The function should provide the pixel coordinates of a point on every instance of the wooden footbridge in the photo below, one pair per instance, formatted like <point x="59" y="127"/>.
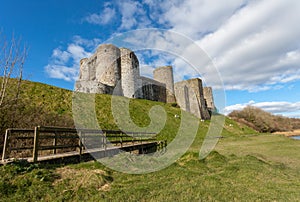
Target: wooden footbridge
<point x="53" y="144"/>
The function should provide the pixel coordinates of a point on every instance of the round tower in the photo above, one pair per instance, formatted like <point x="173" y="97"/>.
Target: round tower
<point x="107" y="63"/>
<point x="129" y="73"/>
<point x="165" y="75"/>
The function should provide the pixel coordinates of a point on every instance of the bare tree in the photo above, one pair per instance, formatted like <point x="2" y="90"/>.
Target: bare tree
<point x="12" y="57"/>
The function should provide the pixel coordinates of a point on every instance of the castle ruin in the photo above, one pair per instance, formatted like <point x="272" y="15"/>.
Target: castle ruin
<point x="113" y="70"/>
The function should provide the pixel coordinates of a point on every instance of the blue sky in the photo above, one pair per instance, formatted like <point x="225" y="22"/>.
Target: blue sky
<point x="254" y="44"/>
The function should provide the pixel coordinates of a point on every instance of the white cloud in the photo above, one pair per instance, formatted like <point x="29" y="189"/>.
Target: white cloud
<point x="64" y="64"/>
<point x="195" y="17"/>
<point x="88" y="43"/>
<point x="77" y="52"/>
<point x="254" y="44"/>
<point x="258" y="46"/>
<point x="291" y="109"/>
<point x="133" y="15"/>
<point x="61" y="72"/>
<point x="103" y="18"/>
<point x="61" y="57"/>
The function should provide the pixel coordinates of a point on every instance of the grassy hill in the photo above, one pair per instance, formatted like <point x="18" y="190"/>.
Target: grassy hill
<point x="42" y="104"/>
<point x="245" y="165"/>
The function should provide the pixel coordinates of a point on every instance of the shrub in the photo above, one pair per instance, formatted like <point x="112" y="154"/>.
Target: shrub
<point x="263" y="121"/>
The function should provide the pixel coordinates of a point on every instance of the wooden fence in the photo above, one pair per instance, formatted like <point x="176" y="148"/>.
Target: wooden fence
<point x="58" y="140"/>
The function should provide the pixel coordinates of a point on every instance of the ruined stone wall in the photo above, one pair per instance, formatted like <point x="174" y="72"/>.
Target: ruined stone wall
<point x="152" y="90"/>
<point x="101" y="72"/>
<point x="129" y="73"/>
<point x="209" y="98"/>
<point x="111" y="68"/>
<point x="84" y="73"/>
<point x="87" y="77"/>
<point x="189" y="96"/>
<point x="93" y="87"/>
<point x="182" y="95"/>
<point x="165" y="75"/>
<point x="196" y="87"/>
<point x="88" y="68"/>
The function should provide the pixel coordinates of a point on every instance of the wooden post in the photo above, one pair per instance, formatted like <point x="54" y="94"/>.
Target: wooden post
<point x="141" y="143"/>
<point x="36" y="144"/>
<point x="55" y="142"/>
<point x="80" y="145"/>
<point x="6" y="138"/>
<point x="103" y="140"/>
<point x="132" y="139"/>
<point x="105" y="144"/>
<point x="83" y="139"/>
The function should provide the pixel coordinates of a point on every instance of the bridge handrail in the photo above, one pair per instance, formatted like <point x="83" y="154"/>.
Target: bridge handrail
<point x="120" y="138"/>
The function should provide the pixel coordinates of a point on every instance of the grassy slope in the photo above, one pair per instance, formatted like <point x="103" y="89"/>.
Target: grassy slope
<point x="246" y="166"/>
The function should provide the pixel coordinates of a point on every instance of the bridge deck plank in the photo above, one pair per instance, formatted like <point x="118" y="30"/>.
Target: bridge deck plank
<point x="110" y="149"/>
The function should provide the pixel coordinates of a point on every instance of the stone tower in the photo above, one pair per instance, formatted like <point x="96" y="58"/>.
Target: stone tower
<point x="129" y="73"/>
<point x="165" y="75"/>
<point x="108" y="66"/>
<point x="115" y="71"/>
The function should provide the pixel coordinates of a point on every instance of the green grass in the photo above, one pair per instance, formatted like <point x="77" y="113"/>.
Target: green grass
<point x="217" y="178"/>
<point x="268" y="147"/>
<point x="245" y="165"/>
<point x="243" y="168"/>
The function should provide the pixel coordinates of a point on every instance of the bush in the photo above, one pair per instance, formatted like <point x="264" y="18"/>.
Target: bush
<point x="263" y="121"/>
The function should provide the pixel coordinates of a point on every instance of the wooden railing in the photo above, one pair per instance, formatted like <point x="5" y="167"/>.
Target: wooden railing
<point x="56" y="139"/>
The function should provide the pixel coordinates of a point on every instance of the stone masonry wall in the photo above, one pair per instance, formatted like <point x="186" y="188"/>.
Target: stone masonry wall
<point x="165" y="75"/>
<point x="196" y="87"/>
<point x="93" y="87"/>
<point x="182" y="95"/>
<point x="111" y="68"/>
<point x="208" y="96"/>
<point x="107" y="65"/>
<point x="129" y="73"/>
<point x="189" y="96"/>
<point x="152" y="90"/>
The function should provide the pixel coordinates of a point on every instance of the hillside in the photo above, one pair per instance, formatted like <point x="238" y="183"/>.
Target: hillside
<point x="245" y="165"/>
<point x="42" y="104"/>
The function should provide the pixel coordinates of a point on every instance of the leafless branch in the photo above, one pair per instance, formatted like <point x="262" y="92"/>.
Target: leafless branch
<point x="12" y="58"/>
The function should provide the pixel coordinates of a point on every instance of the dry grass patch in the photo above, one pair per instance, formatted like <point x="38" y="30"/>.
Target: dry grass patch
<point x="75" y="179"/>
